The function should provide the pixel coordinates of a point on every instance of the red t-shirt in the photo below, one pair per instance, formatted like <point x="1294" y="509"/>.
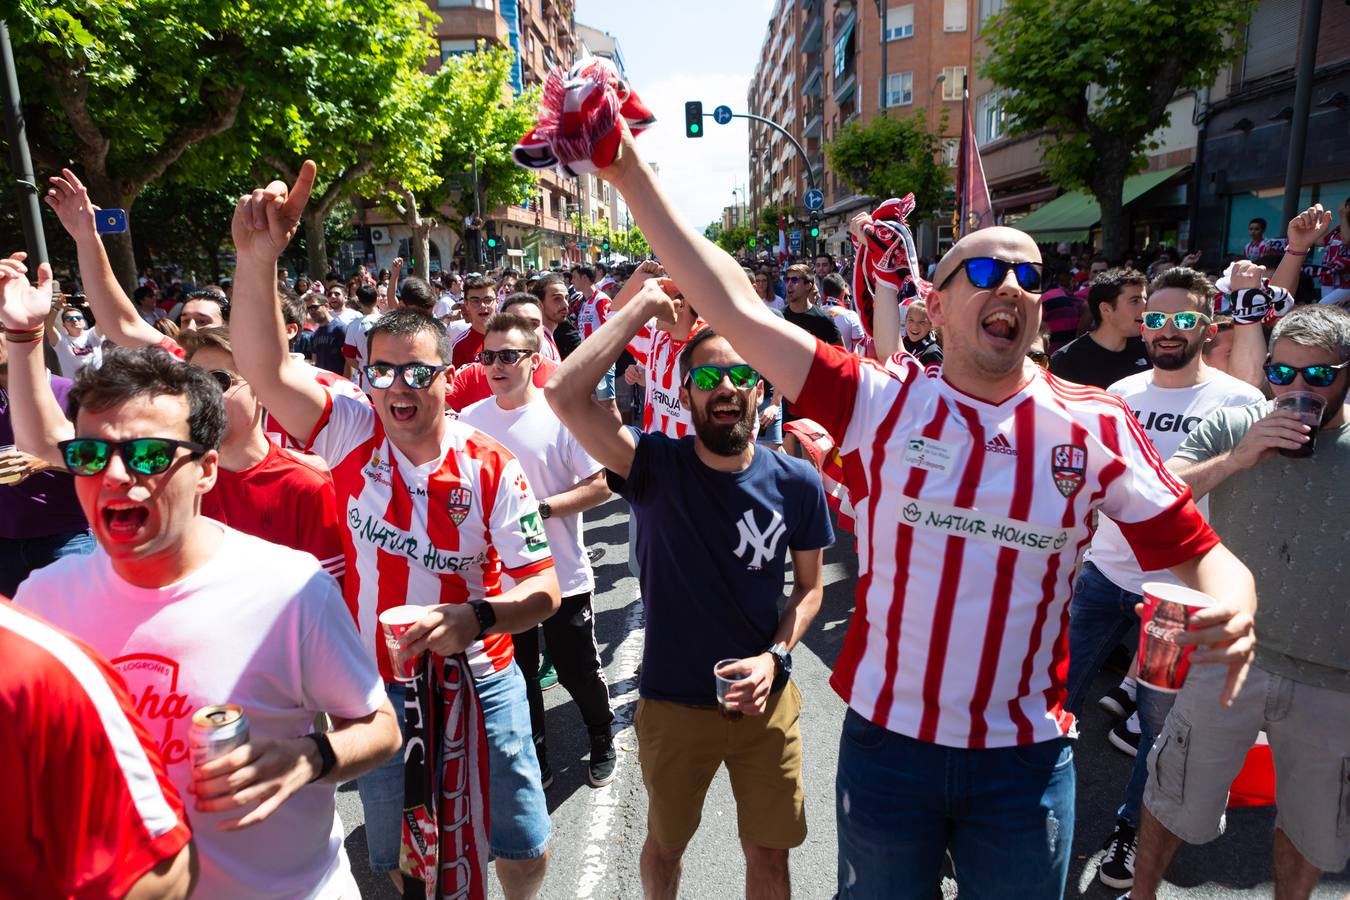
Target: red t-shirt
<point x="88" y="809"/>
<point x="285" y="500"/>
<point x="465" y="349"/>
<point x="471" y="383"/>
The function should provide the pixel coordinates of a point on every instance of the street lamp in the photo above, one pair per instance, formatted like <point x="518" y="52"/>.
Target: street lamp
<point x="932" y="95"/>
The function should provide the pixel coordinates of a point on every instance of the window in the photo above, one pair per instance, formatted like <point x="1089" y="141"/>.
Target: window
<point x="951" y="148"/>
<point x="989" y="9"/>
<point x="451" y="48"/>
<point x="901" y="91"/>
<point x="954" y="15"/>
<point x="1272" y="38"/>
<point x="479" y="4"/>
<point x="900" y="22"/>
<point x="953" y="83"/>
<point x="990" y="122"/>
<point x="843" y="51"/>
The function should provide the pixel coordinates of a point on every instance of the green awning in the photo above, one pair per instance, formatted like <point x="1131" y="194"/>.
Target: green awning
<point x="1070" y="216"/>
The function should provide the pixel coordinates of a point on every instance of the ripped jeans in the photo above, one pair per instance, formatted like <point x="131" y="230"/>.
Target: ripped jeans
<point x="1005" y="814"/>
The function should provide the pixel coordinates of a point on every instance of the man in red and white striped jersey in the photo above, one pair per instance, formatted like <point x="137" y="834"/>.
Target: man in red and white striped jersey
<point x="657" y="347"/>
<point x="595" y="311"/>
<point x="89" y="810"/>
<point x="438" y="514"/>
<point x="954" y="664"/>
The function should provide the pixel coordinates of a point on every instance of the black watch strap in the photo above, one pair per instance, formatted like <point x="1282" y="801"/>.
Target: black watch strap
<point x="325" y="753"/>
<point x="487" y="616"/>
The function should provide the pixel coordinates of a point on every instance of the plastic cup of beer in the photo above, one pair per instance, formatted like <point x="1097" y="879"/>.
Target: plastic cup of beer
<point x="7" y="477"/>
<point x="393" y="623"/>
<point x="726" y="679"/>
<point x="1309" y="407"/>
<point x="1168" y="609"/>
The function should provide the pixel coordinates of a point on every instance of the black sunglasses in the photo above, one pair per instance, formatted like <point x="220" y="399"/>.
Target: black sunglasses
<point x="1315" y="376"/>
<point x="985" y="272"/>
<point x="417" y="376"/>
<point x="509" y="356"/>
<point x="226" y="380"/>
<point x="144" y="456"/>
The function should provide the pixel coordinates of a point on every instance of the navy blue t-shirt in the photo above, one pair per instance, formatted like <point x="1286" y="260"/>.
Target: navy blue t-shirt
<point x="713" y="549"/>
<point x="326" y="344"/>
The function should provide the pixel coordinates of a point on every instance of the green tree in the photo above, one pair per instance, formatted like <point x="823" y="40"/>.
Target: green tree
<point x="736" y="240"/>
<point x="1096" y="77"/>
<point x="188" y="225"/>
<point x="123" y="89"/>
<point x="768" y="216"/>
<point x="889" y="157"/>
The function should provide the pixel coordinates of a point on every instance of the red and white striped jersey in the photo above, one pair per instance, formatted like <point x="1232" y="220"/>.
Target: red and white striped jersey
<point x="332" y="383"/>
<point x="445" y="532"/>
<point x="659" y="354"/>
<point x="970" y="516"/>
<point x="594" y="313"/>
<point x="464" y="348"/>
<point x="89" y="809"/>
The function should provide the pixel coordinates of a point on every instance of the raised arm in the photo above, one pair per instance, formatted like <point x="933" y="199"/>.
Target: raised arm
<point x="118" y="319"/>
<point x="38" y="420"/>
<point x="264" y="223"/>
<point x="1249" y="339"/>
<point x="1303" y="233"/>
<point x="778" y="349"/>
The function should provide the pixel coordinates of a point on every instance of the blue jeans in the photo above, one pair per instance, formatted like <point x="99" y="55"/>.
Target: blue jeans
<point x="519" y="825"/>
<point x="21" y="558"/>
<point x="1101" y="614"/>
<point x="1005" y="814"/>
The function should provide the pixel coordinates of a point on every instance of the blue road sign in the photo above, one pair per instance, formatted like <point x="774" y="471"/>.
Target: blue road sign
<point x="722" y="115"/>
<point x="814" y="199"/>
<point x="795" y="240"/>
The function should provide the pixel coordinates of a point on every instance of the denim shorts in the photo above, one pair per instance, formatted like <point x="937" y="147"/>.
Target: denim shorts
<point x="520" y="825"/>
<point x="605" y="389"/>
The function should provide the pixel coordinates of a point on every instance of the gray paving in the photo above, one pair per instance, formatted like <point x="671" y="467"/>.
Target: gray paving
<point x="599" y="833"/>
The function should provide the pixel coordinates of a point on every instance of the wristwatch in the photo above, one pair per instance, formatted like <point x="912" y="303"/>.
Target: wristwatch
<point x="545" y="511"/>
<point x="487" y="616"/>
<point x="781" y="657"/>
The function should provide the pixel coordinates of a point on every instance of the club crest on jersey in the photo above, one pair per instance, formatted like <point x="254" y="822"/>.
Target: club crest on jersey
<point x="1068" y="462"/>
<point x="457" y="503"/>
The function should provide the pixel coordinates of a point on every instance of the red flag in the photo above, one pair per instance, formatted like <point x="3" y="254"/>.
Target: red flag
<point x="973" y="207"/>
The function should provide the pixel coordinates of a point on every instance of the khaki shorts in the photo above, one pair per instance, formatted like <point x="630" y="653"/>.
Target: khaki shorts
<point x="680" y="748"/>
<point x="1203" y="745"/>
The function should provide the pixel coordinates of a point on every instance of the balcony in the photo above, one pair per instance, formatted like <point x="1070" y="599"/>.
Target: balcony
<point x="467" y="22"/>
<point x="814" y="76"/>
<point x="813" y="118"/>
<point x="844" y="85"/>
<point x="814" y="27"/>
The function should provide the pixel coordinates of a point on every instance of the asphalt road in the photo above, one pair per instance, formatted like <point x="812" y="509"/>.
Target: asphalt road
<point x="598" y="834"/>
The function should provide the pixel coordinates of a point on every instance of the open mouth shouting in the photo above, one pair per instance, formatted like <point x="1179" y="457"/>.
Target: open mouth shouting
<point x="402" y="411"/>
<point x="1001" y="327"/>
<point x="123" y="519"/>
<point x="726" y="412"/>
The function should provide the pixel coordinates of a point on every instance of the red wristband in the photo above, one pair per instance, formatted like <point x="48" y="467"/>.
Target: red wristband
<point x="23" y="331"/>
<point x="1293" y="252"/>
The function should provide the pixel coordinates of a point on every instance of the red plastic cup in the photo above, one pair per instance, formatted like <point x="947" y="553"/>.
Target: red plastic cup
<point x="1168" y="609"/>
<point x="393" y="623"/>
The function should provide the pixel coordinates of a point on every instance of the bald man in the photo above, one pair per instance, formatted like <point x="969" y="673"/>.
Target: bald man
<point x="980" y="484"/>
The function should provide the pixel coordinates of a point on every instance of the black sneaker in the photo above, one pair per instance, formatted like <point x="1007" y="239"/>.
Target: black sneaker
<point x="1125" y="736"/>
<point x="1117" y="703"/>
<point x="1117" y="869"/>
<point x="603" y="760"/>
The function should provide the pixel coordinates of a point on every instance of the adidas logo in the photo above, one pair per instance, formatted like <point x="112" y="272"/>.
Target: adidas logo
<point x="1000" y="444"/>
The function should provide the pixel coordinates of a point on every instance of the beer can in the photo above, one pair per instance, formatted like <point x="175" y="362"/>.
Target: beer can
<point x="215" y="731"/>
<point x="1163" y="663"/>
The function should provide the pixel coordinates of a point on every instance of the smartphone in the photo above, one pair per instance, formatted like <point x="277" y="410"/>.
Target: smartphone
<point x="111" y="221"/>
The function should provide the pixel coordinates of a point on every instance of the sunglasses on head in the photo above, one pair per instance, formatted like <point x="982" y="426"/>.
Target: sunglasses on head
<point x="417" y="376"/>
<point x="985" y="272"/>
<point x="707" y="378"/>
<point x="509" y="356"/>
<point x="1184" y="321"/>
<point x="144" y="456"/>
<point x="1315" y="376"/>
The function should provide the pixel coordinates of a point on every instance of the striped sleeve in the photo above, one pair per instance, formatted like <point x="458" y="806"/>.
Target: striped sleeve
<point x="84" y="776"/>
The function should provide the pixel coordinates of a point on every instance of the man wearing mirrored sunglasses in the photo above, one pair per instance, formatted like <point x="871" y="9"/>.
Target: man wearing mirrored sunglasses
<point x="1169" y="401"/>
<point x="978" y="482"/>
<point x="1283" y="515"/>
<point x="77" y="345"/>
<point x="739" y="511"/>
<point x="437" y="512"/>
<point x="193" y="613"/>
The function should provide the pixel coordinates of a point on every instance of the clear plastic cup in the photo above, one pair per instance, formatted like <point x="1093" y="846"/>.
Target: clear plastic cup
<point x="1309" y="407"/>
<point x="724" y="683"/>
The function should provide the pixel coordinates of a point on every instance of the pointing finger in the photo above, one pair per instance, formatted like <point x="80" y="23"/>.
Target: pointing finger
<point x="300" y="191"/>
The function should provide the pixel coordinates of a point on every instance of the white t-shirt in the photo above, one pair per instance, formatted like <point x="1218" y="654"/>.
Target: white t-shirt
<point x="1167" y="415"/>
<point x="445" y="305"/>
<point x="348" y="315"/>
<point x="77" y="352"/>
<point x="356" y="345"/>
<point x="849" y="324"/>
<point x="553" y="461"/>
<point x="259" y="625"/>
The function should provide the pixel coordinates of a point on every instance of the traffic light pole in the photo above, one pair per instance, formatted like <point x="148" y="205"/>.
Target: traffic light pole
<point x="801" y="151"/>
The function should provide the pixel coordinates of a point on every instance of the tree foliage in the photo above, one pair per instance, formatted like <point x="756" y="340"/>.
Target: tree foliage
<point x="890" y="157"/>
<point x="1096" y="76"/>
<point x="736" y="240"/>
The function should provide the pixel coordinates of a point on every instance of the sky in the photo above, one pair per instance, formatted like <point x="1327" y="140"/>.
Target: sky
<point x="689" y="50"/>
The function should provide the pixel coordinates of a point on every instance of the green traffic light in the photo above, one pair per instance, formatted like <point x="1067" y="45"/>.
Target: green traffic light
<point x="694" y="127"/>
<point x="815" y="232"/>
<point x="752" y="242"/>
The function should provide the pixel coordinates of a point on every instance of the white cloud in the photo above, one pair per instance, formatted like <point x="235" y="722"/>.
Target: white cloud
<point x="698" y="173"/>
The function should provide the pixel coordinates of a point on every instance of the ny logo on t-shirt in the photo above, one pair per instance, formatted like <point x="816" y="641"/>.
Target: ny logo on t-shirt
<point x="761" y="544"/>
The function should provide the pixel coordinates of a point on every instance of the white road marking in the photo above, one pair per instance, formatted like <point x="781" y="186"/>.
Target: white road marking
<point x="605" y="801"/>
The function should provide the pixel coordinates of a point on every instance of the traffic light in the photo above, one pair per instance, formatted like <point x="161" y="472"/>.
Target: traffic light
<point x="693" y="119"/>
<point x="815" y="226"/>
<point x="752" y="242"/>
<point x="604" y="245"/>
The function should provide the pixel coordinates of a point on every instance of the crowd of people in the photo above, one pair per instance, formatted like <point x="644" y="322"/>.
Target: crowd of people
<point x="212" y="495"/>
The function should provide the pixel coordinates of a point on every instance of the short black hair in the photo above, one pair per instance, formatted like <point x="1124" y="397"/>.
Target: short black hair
<point x="833" y="285"/>
<point x="516" y="299"/>
<point x="217" y="297"/>
<point x="502" y="322"/>
<point x="478" y="282"/>
<point x="1193" y="282"/>
<point x="601" y="267"/>
<point x="128" y="373"/>
<point x="366" y="295"/>
<point x="1257" y="220"/>
<point x="825" y="256"/>
<point x="416" y="293"/>
<point x="408" y="323"/>
<point x="540" y="286"/>
<point x="142" y="292"/>
<point x="292" y="307"/>
<point x="1106" y="287"/>
<point x="588" y="271"/>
